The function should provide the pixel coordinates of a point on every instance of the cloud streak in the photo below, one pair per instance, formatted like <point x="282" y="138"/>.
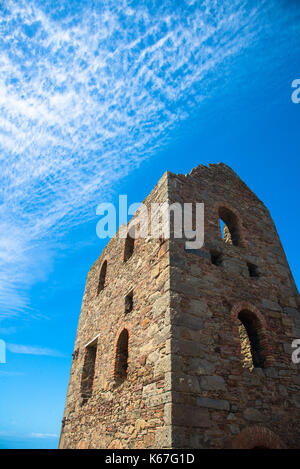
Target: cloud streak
<point x="27" y="435"/>
<point x="10" y="373"/>
<point x="43" y="435"/>
<point x="85" y="97"/>
<point x="30" y="350"/>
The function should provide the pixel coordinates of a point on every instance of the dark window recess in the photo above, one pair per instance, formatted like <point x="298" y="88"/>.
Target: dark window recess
<point x="121" y="362"/>
<point x="129" y="302"/>
<point x="216" y="258"/>
<point x="88" y="372"/>
<point x="253" y="270"/>
<point x="251" y="340"/>
<point x="129" y="247"/>
<point x="102" y="277"/>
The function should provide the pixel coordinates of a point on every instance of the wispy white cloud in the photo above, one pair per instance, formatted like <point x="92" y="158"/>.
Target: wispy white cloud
<point x="11" y="373"/>
<point x="27" y="435"/>
<point x="84" y="98"/>
<point x="7" y="330"/>
<point x="30" y="350"/>
<point x="43" y="435"/>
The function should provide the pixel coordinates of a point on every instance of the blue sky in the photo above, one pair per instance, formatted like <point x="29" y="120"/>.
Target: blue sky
<point x="98" y="101"/>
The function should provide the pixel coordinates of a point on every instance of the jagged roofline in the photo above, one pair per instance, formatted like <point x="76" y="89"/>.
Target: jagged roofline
<point x="212" y="169"/>
<point x="217" y="168"/>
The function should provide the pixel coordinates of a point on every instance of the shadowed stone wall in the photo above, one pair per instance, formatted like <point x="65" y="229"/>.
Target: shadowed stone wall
<point x="214" y="396"/>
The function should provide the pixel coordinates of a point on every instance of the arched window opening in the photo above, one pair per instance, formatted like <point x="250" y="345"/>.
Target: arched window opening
<point x="250" y="337"/>
<point x="102" y="277"/>
<point x="257" y="437"/>
<point x="229" y="226"/>
<point x="121" y="362"/>
<point x="88" y="372"/>
<point x="129" y="247"/>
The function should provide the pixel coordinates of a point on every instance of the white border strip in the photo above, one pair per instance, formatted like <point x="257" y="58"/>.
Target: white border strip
<point x="128" y="291"/>
<point x="91" y="341"/>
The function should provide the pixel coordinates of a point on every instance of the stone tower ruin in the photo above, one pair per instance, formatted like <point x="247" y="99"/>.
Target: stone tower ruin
<point x="181" y="348"/>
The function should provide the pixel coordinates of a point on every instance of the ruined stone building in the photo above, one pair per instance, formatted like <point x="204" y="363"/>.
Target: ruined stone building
<point x="180" y="348"/>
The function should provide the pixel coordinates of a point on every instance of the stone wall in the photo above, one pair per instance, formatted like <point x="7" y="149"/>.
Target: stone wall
<point x="209" y="332"/>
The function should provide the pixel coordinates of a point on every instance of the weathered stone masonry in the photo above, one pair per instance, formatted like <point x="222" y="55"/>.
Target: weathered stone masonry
<point x="181" y="348"/>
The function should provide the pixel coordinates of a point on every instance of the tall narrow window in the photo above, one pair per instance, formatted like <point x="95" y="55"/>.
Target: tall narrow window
<point x="129" y="247"/>
<point x="251" y="340"/>
<point x="129" y="302"/>
<point x="229" y="226"/>
<point x="121" y="361"/>
<point x="102" y="277"/>
<point x="88" y="372"/>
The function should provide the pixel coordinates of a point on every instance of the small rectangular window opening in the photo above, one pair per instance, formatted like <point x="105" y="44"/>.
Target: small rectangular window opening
<point x="253" y="270"/>
<point x="216" y="258"/>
